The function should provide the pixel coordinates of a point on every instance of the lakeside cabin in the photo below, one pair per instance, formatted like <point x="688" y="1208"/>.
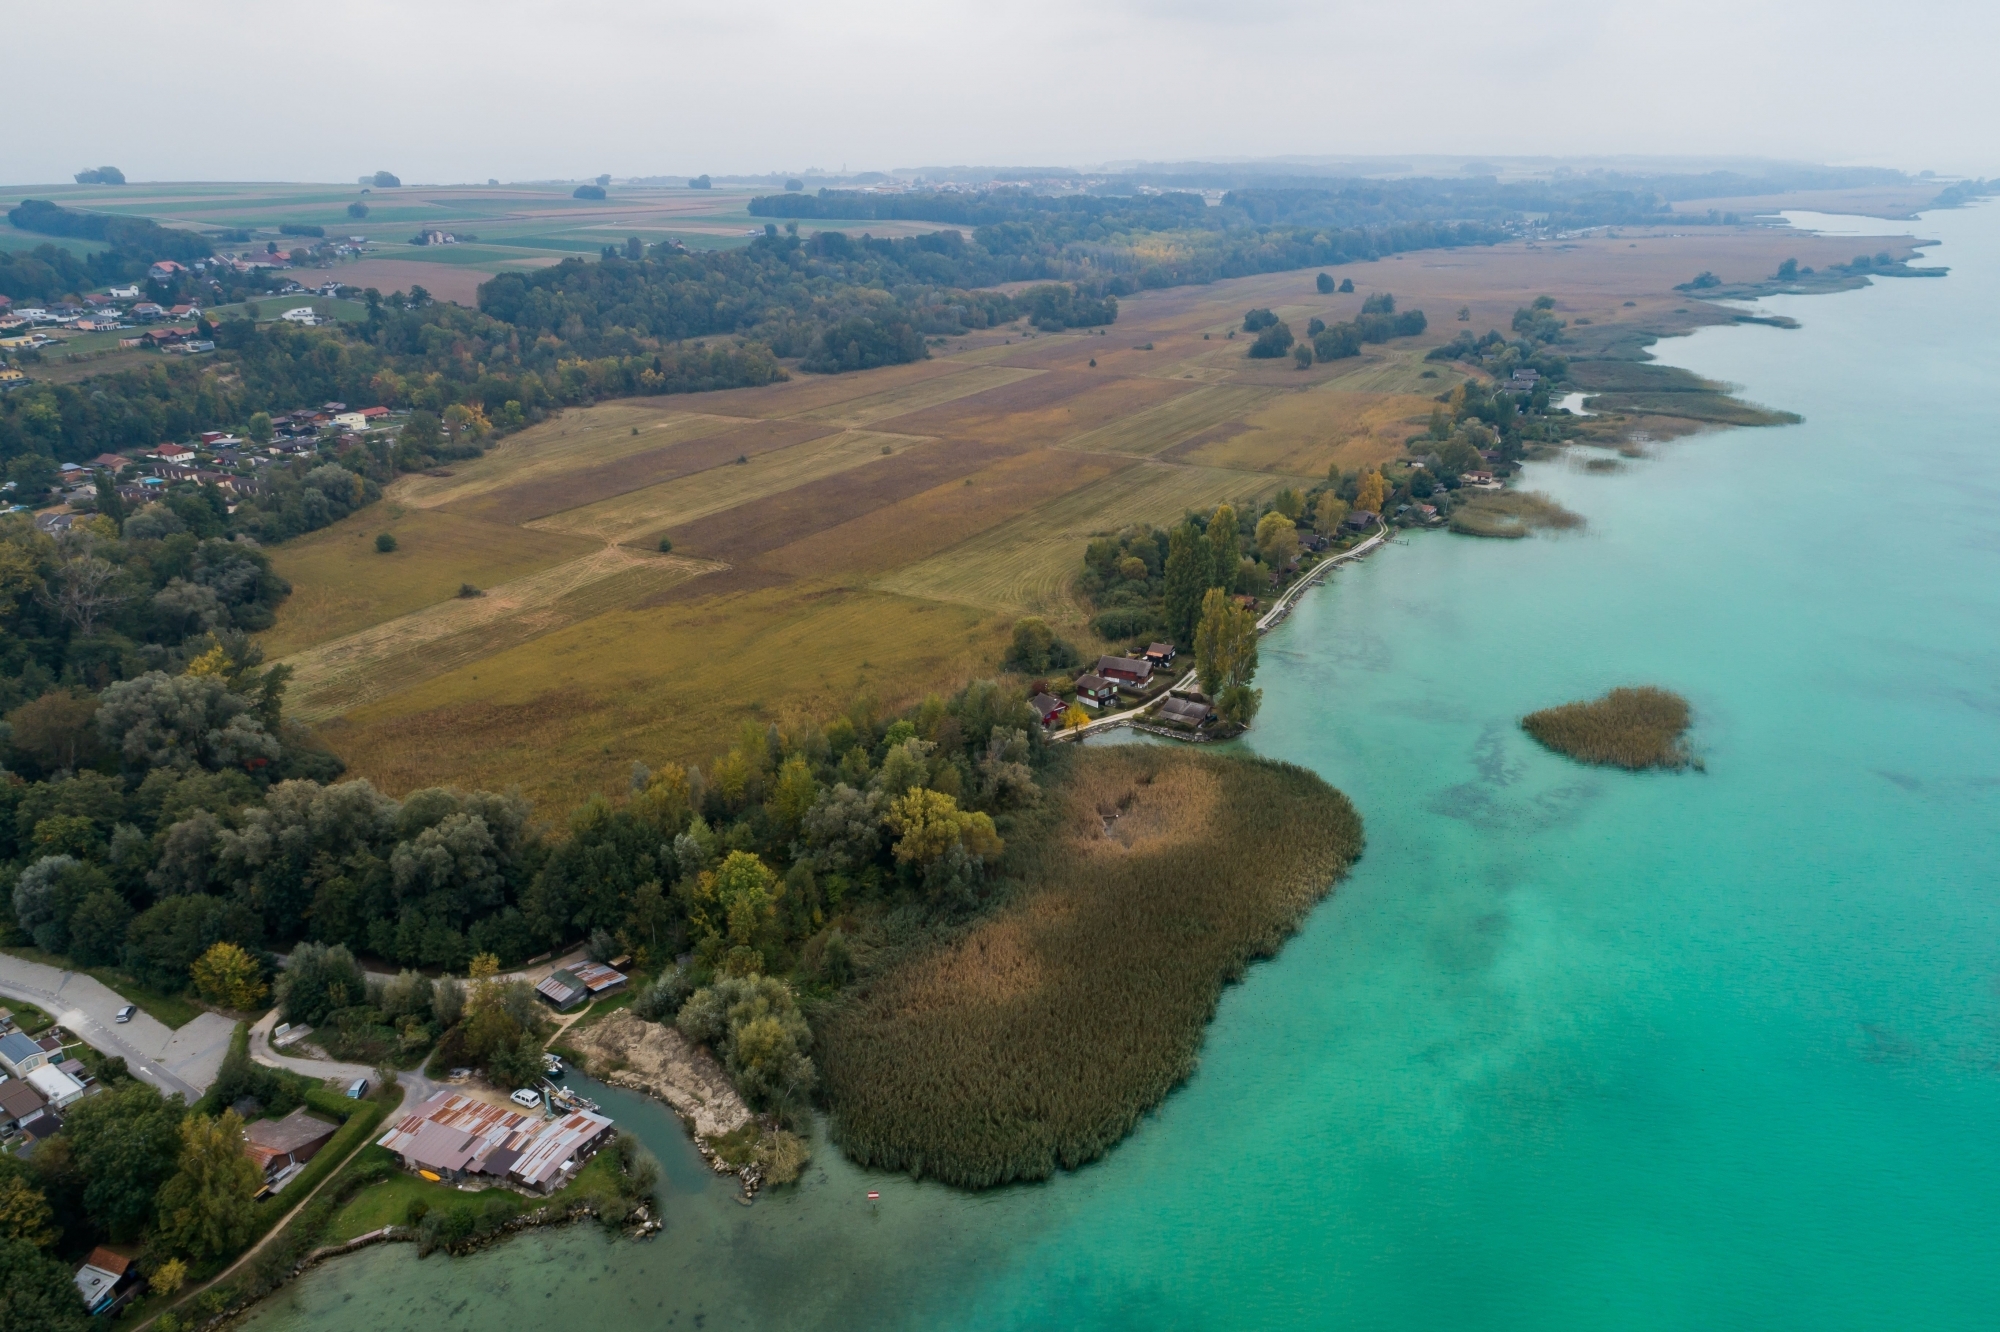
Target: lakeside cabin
<point x="1160" y="655"/>
<point x="98" y="1280"/>
<point x="1186" y="712"/>
<point x="1096" y="689"/>
<point x="1049" y="708"/>
<point x="1125" y="670"/>
<point x="454" y="1136"/>
<point x="280" y="1148"/>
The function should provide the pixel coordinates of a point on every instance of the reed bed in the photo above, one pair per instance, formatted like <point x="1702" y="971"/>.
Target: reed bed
<point x="1037" y="1037"/>
<point x="1511" y="514"/>
<point x="1636" y="727"/>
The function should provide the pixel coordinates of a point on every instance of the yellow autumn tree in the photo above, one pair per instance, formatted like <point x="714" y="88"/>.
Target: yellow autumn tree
<point x="227" y="975"/>
<point x="1373" y="490"/>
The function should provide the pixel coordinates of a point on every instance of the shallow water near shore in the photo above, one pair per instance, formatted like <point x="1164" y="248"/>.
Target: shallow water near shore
<point x="1571" y="1048"/>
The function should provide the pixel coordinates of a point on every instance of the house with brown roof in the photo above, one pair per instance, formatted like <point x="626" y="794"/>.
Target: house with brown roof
<point x="1125" y="670"/>
<point x="1159" y="655"/>
<point x="1186" y="712"/>
<point x="1096" y="689"/>
<point x="1049" y="708"/>
<point x="19" y="1102"/>
<point x="279" y="1144"/>
<point x="100" y="1277"/>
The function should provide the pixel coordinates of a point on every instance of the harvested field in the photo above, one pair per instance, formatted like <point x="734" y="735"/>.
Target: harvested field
<point x="566" y="714"/>
<point x="1173" y="421"/>
<point x="584" y="438"/>
<point x="779" y="519"/>
<point x="843" y="555"/>
<point x="643" y="515"/>
<point x="1048" y="409"/>
<point x="341" y="583"/>
<point x="920" y="526"/>
<point x="803" y="393"/>
<point x="1038" y="1038"/>
<point x="528" y="500"/>
<point x="1303" y="434"/>
<point x="333" y="677"/>
<point x="1635" y="727"/>
<point x="932" y="392"/>
<point x="1025" y="564"/>
<point x="1511" y="514"/>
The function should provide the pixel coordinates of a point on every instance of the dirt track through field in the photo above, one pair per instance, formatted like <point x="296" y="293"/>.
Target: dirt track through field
<point x="334" y="677"/>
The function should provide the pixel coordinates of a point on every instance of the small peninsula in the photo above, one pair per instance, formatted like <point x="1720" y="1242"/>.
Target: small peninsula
<point x="1035" y="1038"/>
<point x="1636" y="727"/>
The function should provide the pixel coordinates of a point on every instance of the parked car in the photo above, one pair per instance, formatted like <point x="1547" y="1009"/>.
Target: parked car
<point x="526" y="1097"/>
<point x="125" y="1013"/>
<point x="357" y="1089"/>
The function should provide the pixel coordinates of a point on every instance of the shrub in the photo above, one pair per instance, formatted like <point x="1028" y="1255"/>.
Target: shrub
<point x="385" y="542"/>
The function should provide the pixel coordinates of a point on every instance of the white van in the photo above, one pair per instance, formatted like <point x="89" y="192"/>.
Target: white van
<point x="526" y="1097"/>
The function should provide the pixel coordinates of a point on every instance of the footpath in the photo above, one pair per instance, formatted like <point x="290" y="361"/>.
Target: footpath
<point x="1270" y="620"/>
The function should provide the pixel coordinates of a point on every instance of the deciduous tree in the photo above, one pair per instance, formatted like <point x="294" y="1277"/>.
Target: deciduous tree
<point x="227" y="975"/>
<point x="1225" y="644"/>
<point x="208" y="1208"/>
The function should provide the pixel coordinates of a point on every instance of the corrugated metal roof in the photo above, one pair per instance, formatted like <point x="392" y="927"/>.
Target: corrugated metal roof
<point x="558" y="1142"/>
<point x="453" y="1131"/>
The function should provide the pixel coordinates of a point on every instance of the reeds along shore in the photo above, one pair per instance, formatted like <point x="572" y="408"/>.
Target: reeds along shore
<point x="1037" y="1038"/>
<point x="1635" y="727"/>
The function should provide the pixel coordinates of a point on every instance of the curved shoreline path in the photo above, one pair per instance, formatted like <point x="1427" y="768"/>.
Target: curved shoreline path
<point x="183" y="1061"/>
<point x="1270" y="620"/>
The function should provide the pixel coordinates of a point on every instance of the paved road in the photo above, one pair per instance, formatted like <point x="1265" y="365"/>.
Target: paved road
<point x="183" y="1061"/>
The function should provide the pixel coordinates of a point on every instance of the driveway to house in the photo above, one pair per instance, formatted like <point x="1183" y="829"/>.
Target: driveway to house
<point x="183" y="1061"/>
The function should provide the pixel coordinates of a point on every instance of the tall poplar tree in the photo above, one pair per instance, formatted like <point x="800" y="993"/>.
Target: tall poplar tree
<point x="1222" y="547"/>
<point x="1188" y="568"/>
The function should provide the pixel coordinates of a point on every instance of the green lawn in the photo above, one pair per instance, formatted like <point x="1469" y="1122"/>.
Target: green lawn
<point x="26" y="1016"/>
<point x="388" y="1203"/>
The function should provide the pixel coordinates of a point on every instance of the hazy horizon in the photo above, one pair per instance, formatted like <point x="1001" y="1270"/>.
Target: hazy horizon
<point x="515" y="91"/>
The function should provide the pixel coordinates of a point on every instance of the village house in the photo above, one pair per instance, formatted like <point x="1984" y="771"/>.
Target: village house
<point x="1186" y="711"/>
<point x="280" y="1148"/>
<point x="1125" y="670"/>
<point x="1359" y="521"/>
<point x="1049" y="708"/>
<point x="57" y="1087"/>
<point x="100" y="1277"/>
<point x="303" y="314"/>
<point x="166" y="270"/>
<point x="21" y="1054"/>
<point x="173" y="453"/>
<point x="1096" y="689"/>
<point x="453" y="1136"/>
<point x="20" y="1104"/>
<point x="1481" y="479"/>
<point x="1160" y="655"/>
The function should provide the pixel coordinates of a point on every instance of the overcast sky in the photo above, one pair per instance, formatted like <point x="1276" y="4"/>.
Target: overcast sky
<point x="455" y="90"/>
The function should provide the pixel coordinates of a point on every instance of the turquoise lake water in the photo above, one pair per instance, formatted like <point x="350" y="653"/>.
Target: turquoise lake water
<point x="1571" y="1048"/>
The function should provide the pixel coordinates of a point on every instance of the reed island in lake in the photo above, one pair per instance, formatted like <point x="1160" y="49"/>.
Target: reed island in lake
<point x="1635" y="727"/>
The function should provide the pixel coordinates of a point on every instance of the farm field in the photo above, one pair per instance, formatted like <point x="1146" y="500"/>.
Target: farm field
<point x="516" y="226"/>
<point x="875" y="532"/>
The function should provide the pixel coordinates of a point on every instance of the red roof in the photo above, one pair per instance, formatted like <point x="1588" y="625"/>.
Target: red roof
<point x="103" y="1258"/>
